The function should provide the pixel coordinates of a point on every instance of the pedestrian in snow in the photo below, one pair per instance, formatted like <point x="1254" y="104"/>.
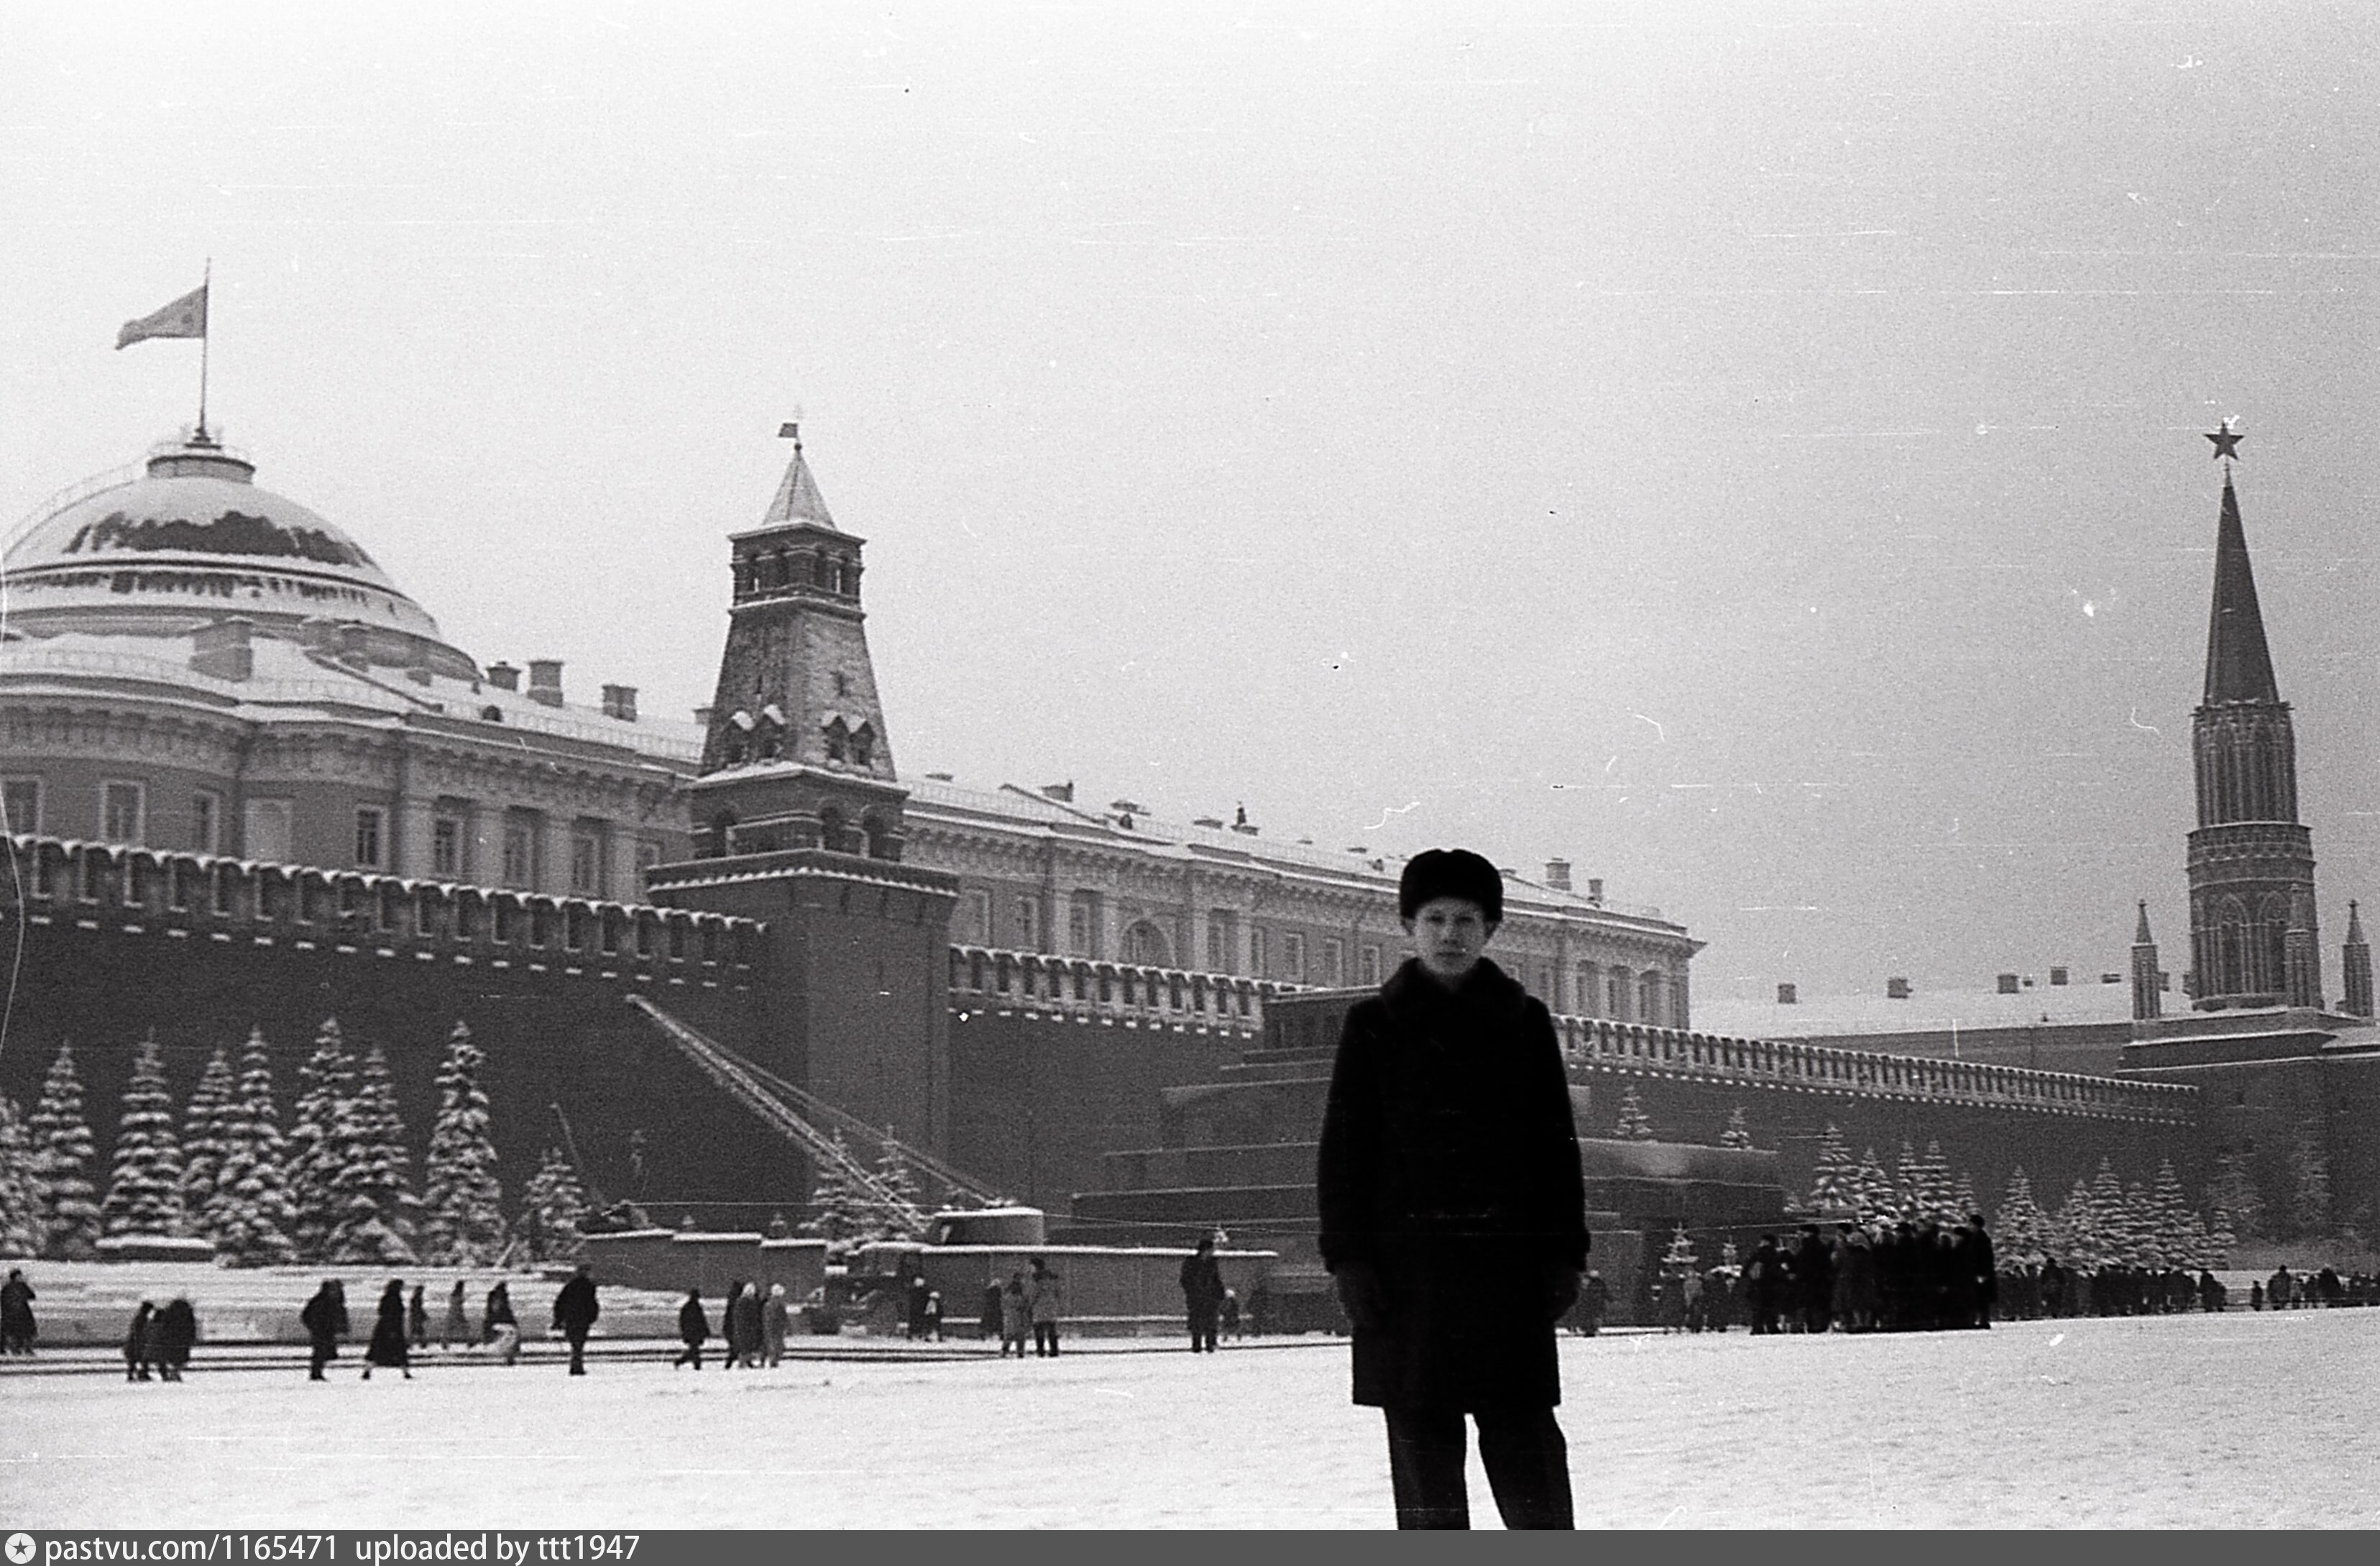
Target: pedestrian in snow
<point x="1015" y="1315"/>
<point x="388" y="1340"/>
<point x="1231" y="1313"/>
<point x="173" y="1331"/>
<point x="417" y="1318"/>
<point x="933" y="1315"/>
<point x="1202" y="1293"/>
<point x="575" y="1310"/>
<point x="1047" y="1293"/>
<point x="693" y="1330"/>
<point x="1452" y="1211"/>
<point x="744" y="1327"/>
<point x="498" y="1312"/>
<point x="325" y="1321"/>
<point x="16" y="1328"/>
<point x="457" y="1329"/>
<point x="776" y="1318"/>
<point x="1598" y="1296"/>
<point x="138" y="1342"/>
<point x="990" y="1325"/>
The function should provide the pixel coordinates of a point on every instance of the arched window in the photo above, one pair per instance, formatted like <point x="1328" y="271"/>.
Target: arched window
<point x="863" y="745"/>
<point x="1145" y="943"/>
<point x="838" y="740"/>
<point x="879" y="846"/>
<point x="2231" y="948"/>
<point x="722" y="835"/>
<point x="832" y="830"/>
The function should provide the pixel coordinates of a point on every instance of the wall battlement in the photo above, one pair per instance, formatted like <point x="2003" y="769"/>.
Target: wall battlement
<point x="1098" y="989"/>
<point x="199" y="896"/>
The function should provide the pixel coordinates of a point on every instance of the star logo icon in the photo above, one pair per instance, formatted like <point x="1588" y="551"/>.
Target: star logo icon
<point x="2227" y="443"/>
<point x="20" y="1548"/>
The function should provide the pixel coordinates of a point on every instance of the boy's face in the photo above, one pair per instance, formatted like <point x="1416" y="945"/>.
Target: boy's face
<point x="1448" y="934"/>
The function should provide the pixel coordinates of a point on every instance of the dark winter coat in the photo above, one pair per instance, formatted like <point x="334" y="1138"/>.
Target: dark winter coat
<point x="325" y="1318"/>
<point x="172" y="1332"/>
<point x="1449" y="1165"/>
<point x="498" y="1314"/>
<point x="16" y="1310"/>
<point x="574" y="1307"/>
<point x="140" y="1338"/>
<point x="693" y="1326"/>
<point x="388" y="1344"/>
<point x="743" y="1323"/>
<point x="1202" y="1283"/>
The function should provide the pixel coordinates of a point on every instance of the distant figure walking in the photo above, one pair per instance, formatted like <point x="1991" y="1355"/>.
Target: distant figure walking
<point x="498" y="1312"/>
<point x="456" y="1328"/>
<point x="417" y="1318"/>
<point x="744" y="1328"/>
<point x="990" y="1325"/>
<point x="775" y="1320"/>
<point x="934" y="1314"/>
<point x="575" y="1310"/>
<point x="1047" y="1292"/>
<point x="1202" y="1293"/>
<point x="388" y="1343"/>
<point x="173" y="1331"/>
<point x="325" y="1321"/>
<point x="137" y="1343"/>
<point x="1231" y="1313"/>
<point x="1015" y="1315"/>
<point x="693" y="1330"/>
<point x="17" y="1329"/>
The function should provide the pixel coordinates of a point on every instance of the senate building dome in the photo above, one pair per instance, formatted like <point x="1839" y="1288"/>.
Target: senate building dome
<point x="192" y="539"/>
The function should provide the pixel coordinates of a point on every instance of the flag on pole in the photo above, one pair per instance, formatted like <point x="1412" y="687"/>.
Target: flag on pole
<point x="186" y="317"/>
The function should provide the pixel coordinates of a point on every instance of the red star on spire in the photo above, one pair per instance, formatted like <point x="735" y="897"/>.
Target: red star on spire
<point x="2226" y="442"/>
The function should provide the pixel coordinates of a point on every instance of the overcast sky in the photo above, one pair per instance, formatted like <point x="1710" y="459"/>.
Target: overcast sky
<point x="1755" y="455"/>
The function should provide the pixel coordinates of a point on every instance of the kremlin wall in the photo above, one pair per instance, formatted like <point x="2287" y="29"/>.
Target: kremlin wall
<point x="250" y="785"/>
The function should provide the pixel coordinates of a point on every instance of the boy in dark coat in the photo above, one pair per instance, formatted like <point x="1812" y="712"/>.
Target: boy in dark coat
<point x="139" y="1342"/>
<point x="173" y="1331"/>
<point x="693" y="1330"/>
<point x="17" y="1329"/>
<point x="1202" y="1293"/>
<point x="388" y="1340"/>
<point x="575" y="1310"/>
<point x="1454" y="1217"/>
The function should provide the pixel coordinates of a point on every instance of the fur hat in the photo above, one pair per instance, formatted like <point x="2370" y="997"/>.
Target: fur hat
<point x="1450" y="872"/>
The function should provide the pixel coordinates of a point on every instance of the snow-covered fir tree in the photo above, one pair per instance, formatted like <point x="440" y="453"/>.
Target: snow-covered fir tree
<point x="2020" y="1230"/>
<point x="554" y="1211"/>
<point x="2118" y="1243"/>
<point x="1739" y="1130"/>
<point x="2220" y="1236"/>
<point x="2231" y="1192"/>
<point x="2309" y="1180"/>
<point x="1963" y="1204"/>
<point x="203" y="1118"/>
<point x="62" y="1157"/>
<point x="2150" y="1245"/>
<point x="2170" y="1217"/>
<point x="2077" y="1229"/>
<point x="841" y="1211"/>
<point x="372" y="1191"/>
<point x="1633" y="1121"/>
<point x="252" y="1216"/>
<point x="1909" y="1184"/>
<point x="1680" y="1257"/>
<point x="24" y="1217"/>
<point x="463" y="1216"/>
<point x="317" y="1147"/>
<point x="1835" y="1179"/>
<point x="893" y="1177"/>
<point x="1934" y="1180"/>
<point x="144" y="1188"/>
<point x="1873" y="1188"/>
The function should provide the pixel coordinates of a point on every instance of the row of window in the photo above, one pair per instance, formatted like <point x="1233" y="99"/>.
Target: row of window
<point x="124" y="817"/>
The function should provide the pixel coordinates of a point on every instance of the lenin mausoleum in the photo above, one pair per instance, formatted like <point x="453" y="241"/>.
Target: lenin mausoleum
<point x="251" y="785"/>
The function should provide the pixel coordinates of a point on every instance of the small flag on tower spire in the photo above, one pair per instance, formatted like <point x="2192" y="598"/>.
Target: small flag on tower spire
<point x="186" y="317"/>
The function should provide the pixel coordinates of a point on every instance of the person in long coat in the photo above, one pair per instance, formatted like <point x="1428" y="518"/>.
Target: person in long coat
<point x="388" y="1339"/>
<point x="744" y="1327"/>
<point x="1046" y="1293"/>
<point x="417" y="1317"/>
<point x="173" y="1332"/>
<point x="16" y="1328"/>
<point x="776" y="1318"/>
<point x="1016" y="1316"/>
<point x="498" y="1312"/>
<point x="139" y="1346"/>
<point x="575" y="1312"/>
<point x="1452" y="1211"/>
<point x="693" y="1330"/>
<point x="1202" y="1293"/>
<point x="456" y="1328"/>
<point x="325" y="1321"/>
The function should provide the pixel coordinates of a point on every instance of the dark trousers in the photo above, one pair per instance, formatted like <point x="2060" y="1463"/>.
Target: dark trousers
<point x="692" y="1356"/>
<point x="1522" y="1449"/>
<point x="325" y="1352"/>
<point x="1045" y="1340"/>
<point x="1202" y="1331"/>
<point x="578" y="1350"/>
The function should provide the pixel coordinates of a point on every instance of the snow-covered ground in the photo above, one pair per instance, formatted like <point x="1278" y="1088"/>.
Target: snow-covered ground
<point x="2238" y="1420"/>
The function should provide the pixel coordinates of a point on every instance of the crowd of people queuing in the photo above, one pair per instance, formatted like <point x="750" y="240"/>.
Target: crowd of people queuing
<point x="1927" y="1275"/>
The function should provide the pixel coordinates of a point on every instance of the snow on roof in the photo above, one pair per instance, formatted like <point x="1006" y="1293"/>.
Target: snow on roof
<point x="2086" y="1001"/>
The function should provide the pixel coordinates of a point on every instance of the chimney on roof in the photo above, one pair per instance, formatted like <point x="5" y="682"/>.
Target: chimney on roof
<point x="545" y="681"/>
<point x="1063" y="792"/>
<point x="702" y="716"/>
<point x="221" y="649"/>
<point x="1896" y="989"/>
<point x="620" y="701"/>
<point x="1558" y="874"/>
<point x="1595" y="890"/>
<point x="2057" y="975"/>
<point x="2007" y="984"/>
<point x="1787" y="996"/>
<point x="504" y="676"/>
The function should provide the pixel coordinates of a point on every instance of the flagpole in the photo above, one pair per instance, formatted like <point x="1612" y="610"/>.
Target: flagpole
<point x="206" y="305"/>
